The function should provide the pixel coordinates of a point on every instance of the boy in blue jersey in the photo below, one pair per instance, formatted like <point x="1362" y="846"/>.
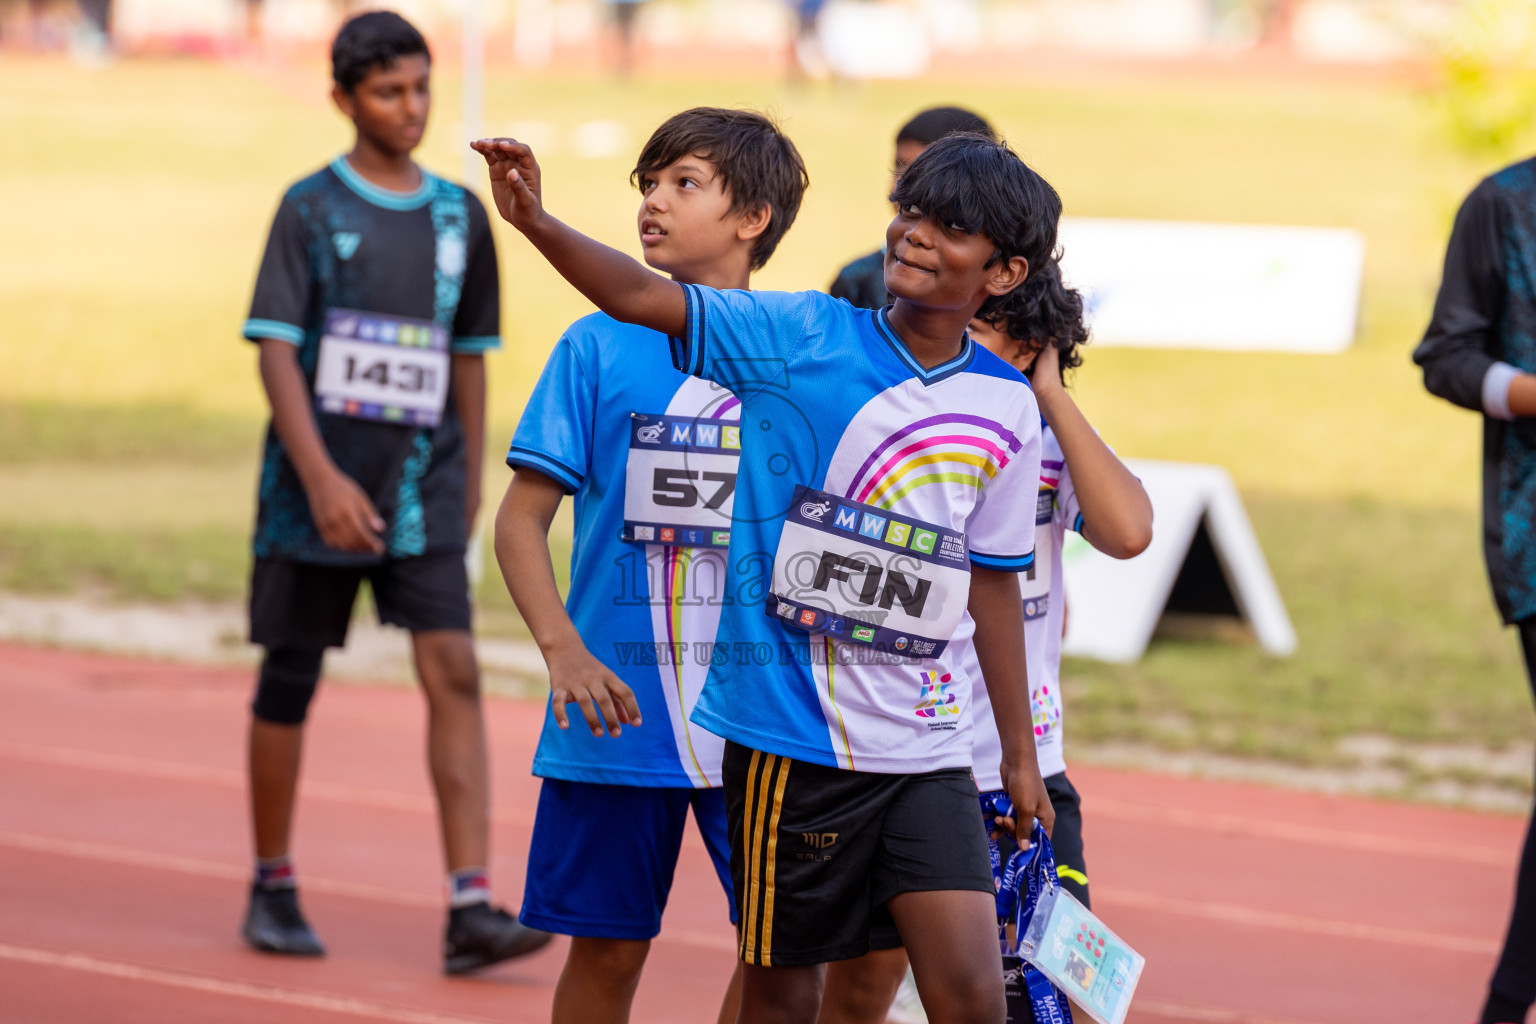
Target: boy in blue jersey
<point x="885" y="463"/>
<point x="376" y="298"/>
<point x="650" y="455"/>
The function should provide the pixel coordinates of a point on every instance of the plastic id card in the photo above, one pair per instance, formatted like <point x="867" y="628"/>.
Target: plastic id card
<point x="1084" y="959"/>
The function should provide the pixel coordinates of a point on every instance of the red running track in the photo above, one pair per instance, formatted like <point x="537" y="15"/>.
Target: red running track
<point x="124" y="860"/>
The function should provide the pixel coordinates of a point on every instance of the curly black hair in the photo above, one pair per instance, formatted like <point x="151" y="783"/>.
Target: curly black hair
<point x="980" y="184"/>
<point x="1044" y="311"/>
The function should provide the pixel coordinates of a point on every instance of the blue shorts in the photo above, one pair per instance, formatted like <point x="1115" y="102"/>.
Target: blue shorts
<point x="602" y="857"/>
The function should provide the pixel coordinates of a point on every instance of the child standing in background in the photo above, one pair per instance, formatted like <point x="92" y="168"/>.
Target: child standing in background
<point x="376" y="301"/>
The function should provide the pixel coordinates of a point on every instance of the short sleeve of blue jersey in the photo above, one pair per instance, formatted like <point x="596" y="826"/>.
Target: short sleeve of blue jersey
<point x="554" y="435"/>
<point x="739" y="338"/>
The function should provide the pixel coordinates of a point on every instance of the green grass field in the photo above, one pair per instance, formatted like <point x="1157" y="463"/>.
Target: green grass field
<point x="136" y="200"/>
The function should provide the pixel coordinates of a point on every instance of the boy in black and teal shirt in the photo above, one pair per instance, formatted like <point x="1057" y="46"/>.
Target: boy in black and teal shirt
<point x="376" y="299"/>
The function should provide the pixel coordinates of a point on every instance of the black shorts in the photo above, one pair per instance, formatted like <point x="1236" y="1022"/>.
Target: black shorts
<point x="1067" y="836"/>
<point x="305" y="606"/>
<point x="817" y="851"/>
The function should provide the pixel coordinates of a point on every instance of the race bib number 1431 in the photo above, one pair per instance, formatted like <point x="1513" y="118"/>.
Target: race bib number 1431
<point x="388" y="368"/>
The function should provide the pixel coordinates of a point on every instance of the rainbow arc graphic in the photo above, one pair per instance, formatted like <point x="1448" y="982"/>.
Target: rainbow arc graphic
<point x="952" y="448"/>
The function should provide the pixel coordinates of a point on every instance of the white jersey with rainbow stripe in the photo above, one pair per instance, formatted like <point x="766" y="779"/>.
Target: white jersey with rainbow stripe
<point x="925" y="471"/>
<point x="1044" y="619"/>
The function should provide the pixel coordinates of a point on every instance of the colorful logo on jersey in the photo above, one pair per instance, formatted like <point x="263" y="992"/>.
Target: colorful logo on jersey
<point x="934" y="699"/>
<point x="720" y="537"/>
<point x="807" y="617"/>
<point x="668" y="534"/>
<point x="346" y="243"/>
<point x="950" y="448"/>
<point x="1047" y="712"/>
<point x="864" y="633"/>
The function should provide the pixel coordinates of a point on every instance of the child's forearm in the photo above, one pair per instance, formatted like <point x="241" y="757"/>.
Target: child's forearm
<point x="1117" y="514"/>
<point x="998" y="611"/>
<point x="522" y="551"/>
<point x="615" y="283"/>
<point x="293" y="415"/>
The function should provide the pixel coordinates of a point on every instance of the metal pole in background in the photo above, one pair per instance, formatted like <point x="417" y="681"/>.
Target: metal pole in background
<point x="473" y="117"/>
<point x="473" y="120"/>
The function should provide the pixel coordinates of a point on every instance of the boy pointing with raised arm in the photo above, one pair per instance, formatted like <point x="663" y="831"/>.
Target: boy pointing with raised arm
<point x="885" y="460"/>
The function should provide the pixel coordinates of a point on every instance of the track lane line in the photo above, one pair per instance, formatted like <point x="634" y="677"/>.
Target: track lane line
<point x="1108" y="807"/>
<point x="1311" y="835"/>
<point x="1254" y="917"/>
<point x="229" y="778"/>
<point x="112" y="854"/>
<point x="1228" y="913"/>
<point x="349" y="1006"/>
<point x="1206" y="1014"/>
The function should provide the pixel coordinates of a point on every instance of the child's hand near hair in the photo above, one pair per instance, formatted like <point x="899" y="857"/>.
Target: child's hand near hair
<point x="516" y="183"/>
<point x="1117" y="514"/>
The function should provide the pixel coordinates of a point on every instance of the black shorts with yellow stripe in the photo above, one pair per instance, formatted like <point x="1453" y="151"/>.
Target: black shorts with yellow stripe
<point x="817" y="851"/>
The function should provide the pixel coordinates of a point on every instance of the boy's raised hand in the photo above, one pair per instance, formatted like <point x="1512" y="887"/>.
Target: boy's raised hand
<point x="576" y="677"/>
<point x="515" y="180"/>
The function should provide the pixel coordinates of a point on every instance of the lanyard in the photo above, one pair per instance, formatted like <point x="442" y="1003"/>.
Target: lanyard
<point x="1027" y="875"/>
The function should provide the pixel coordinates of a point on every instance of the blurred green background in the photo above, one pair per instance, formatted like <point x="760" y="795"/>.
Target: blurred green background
<point x="135" y="200"/>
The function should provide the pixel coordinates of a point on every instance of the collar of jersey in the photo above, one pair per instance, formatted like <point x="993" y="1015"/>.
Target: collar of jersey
<point x="941" y="372"/>
<point x="386" y="198"/>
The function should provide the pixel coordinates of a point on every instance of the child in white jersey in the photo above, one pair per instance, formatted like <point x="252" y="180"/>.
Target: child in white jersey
<point x="1084" y="488"/>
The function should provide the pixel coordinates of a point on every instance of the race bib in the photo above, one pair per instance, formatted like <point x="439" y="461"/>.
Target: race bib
<point x="680" y="480"/>
<point x="864" y="575"/>
<point x="388" y="368"/>
<point x="1036" y="584"/>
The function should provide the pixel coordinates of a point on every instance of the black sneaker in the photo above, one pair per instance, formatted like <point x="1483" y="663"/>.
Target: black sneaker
<point x="274" y="924"/>
<point x="480" y="935"/>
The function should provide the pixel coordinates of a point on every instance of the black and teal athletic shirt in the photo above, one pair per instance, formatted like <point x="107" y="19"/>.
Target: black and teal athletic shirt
<point x="341" y="243"/>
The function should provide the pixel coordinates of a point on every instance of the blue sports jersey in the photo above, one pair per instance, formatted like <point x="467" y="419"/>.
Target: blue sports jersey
<point x="646" y="609"/>
<point x="885" y="482"/>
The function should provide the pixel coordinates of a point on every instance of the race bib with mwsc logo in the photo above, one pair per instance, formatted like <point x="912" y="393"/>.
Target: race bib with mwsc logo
<point x="1036" y="584"/>
<point x="864" y="575"/>
<point x="680" y="480"/>
<point x="388" y="368"/>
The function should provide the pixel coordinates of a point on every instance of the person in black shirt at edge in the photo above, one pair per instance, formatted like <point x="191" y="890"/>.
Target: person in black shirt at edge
<point x="1480" y="353"/>
<point x="862" y="282"/>
<point x="376" y="300"/>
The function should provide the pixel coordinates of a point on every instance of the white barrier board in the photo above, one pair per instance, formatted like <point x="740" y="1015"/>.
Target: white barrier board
<point x="1203" y="557"/>
<point x="1172" y="284"/>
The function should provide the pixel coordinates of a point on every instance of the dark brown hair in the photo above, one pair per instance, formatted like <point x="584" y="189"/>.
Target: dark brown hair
<point x="757" y="164"/>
